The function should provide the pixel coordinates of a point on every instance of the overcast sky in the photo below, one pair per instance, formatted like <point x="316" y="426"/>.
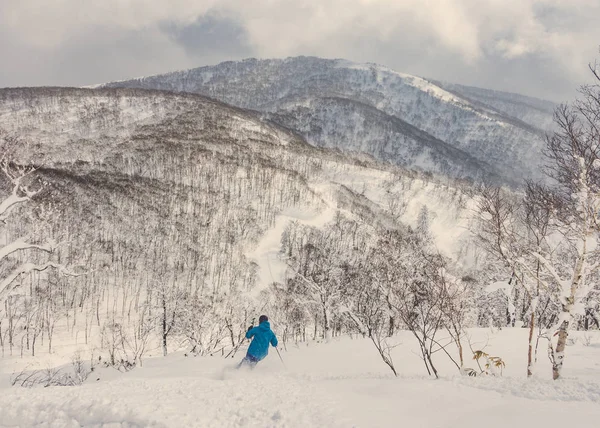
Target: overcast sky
<point x="535" y="47"/>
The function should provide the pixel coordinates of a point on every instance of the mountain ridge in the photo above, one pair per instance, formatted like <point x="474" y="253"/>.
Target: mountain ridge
<point x="483" y="130"/>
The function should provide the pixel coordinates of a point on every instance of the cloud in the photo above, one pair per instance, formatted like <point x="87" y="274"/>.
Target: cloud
<point x="539" y="47"/>
<point x="49" y="23"/>
<point x="85" y="58"/>
<point x="210" y="34"/>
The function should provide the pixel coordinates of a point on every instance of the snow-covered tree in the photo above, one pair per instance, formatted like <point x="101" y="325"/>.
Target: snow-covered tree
<point x="512" y="229"/>
<point x="548" y="238"/>
<point x="424" y="225"/>
<point x="575" y="262"/>
<point x="320" y="263"/>
<point x="20" y="194"/>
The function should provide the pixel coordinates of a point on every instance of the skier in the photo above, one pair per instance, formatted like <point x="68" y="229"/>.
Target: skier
<point x="259" y="347"/>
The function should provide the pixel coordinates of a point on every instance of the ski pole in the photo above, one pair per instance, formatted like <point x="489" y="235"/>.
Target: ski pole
<point x="234" y="350"/>
<point x="277" y="349"/>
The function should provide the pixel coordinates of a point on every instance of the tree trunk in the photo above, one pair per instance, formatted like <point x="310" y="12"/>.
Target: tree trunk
<point x="326" y="325"/>
<point x="1" y="339"/>
<point x="459" y="346"/>
<point x="10" y="333"/>
<point x="559" y="353"/>
<point x="586" y="323"/>
<point x="435" y="372"/>
<point x="563" y="331"/>
<point x="424" y="356"/>
<point x="164" y="326"/>
<point x="530" y="348"/>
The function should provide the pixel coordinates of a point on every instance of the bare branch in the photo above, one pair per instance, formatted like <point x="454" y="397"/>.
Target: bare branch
<point x="21" y="245"/>
<point x="20" y="193"/>
<point x="594" y="70"/>
<point x="32" y="267"/>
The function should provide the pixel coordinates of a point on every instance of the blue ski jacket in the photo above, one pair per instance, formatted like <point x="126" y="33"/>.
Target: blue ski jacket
<point x="261" y="337"/>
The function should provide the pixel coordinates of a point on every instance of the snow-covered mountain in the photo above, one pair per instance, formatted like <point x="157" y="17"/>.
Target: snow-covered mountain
<point x="180" y="144"/>
<point x="159" y="192"/>
<point x="164" y="222"/>
<point x="407" y="120"/>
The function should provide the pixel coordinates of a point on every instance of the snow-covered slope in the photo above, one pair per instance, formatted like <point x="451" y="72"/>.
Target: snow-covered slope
<point x="340" y="384"/>
<point x="487" y="132"/>
<point x="535" y="112"/>
<point x="343" y="124"/>
<point x="68" y="124"/>
<point x="180" y="209"/>
<point x="151" y="189"/>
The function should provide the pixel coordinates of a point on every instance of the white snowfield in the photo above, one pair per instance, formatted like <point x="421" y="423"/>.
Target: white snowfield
<point x="338" y="384"/>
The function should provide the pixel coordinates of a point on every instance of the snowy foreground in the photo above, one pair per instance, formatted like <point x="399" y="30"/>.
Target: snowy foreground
<point x="340" y="384"/>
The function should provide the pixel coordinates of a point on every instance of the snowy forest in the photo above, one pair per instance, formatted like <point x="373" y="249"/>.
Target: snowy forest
<point x="139" y="223"/>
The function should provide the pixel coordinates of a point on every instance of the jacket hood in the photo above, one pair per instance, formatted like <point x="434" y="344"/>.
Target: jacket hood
<point x="265" y="325"/>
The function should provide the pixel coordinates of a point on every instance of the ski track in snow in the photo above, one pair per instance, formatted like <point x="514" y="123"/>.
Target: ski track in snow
<point x="221" y="398"/>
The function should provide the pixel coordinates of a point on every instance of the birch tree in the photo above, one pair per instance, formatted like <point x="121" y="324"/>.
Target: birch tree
<point x="575" y="154"/>
<point x="548" y="239"/>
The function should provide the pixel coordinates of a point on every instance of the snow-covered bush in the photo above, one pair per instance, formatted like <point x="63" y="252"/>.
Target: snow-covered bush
<point x="73" y="375"/>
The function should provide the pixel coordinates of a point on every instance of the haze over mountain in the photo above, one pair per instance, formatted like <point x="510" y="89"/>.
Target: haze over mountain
<point x="413" y="122"/>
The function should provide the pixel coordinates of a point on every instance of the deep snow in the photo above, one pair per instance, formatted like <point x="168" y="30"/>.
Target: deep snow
<point x="337" y="384"/>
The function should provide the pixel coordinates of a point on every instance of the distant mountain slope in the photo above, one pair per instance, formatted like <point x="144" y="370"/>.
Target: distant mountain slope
<point x="489" y="131"/>
<point x="535" y="112"/>
<point x="66" y="124"/>
<point x="345" y="124"/>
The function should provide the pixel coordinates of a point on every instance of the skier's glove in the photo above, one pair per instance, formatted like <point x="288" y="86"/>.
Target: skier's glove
<point x="250" y="328"/>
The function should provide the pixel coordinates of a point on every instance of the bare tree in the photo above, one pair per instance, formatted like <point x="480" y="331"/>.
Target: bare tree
<point x="368" y="308"/>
